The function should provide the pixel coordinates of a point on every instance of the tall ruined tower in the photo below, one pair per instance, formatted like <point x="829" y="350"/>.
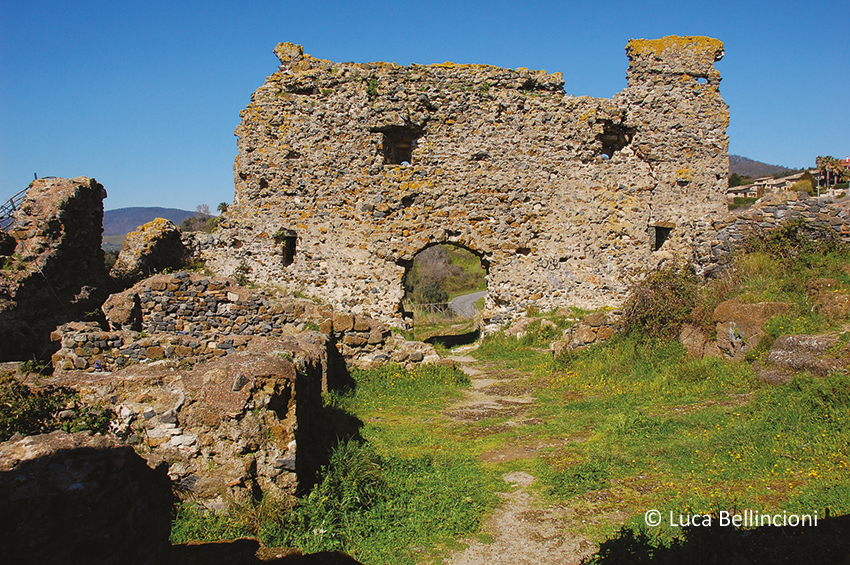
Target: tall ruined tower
<point x="346" y="170"/>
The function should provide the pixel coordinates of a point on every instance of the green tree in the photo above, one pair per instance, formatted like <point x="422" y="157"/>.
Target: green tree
<point x="737" y="180"/>
<point x="201" y="221"/>
<point x="833" y="169"/>
<point x="222" y="207"/>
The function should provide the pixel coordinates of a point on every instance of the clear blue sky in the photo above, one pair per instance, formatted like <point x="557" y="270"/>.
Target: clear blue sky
<point x="144" y="96"/>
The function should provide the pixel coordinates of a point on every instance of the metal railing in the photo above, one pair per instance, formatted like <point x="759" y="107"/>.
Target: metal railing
<point x="8" y="209"/>
<point x="447" y="309"/>
<point x="430" y="308"/>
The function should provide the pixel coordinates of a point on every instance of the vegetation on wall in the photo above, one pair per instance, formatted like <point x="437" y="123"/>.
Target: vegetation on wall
<point x="29" y="410"/>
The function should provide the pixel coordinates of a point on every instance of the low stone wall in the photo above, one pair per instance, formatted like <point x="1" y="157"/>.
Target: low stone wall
<point x="192" y="318"/>
<point x="78" y="498"/>
<point x="822" y="218"/>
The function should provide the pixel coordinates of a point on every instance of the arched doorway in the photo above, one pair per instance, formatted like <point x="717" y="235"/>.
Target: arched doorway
<point x="445" y="286"/>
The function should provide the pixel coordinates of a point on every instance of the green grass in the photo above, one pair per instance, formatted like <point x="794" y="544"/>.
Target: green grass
<point x="391" y="499"/>
<point x="662" y="431"/>
<point x="27" y="410"/>
<point x="394" y="388"/>
<point x="378" y="509"/>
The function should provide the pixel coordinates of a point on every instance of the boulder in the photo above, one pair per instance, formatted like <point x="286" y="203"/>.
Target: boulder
<point x="805" y="353"/>
<point x="739" y="326"/>
<point x="152" y="248"/>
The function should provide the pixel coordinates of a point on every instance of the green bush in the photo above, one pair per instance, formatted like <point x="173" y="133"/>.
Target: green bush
<point x="659" y="304"/>
<point x="433" y="293"/>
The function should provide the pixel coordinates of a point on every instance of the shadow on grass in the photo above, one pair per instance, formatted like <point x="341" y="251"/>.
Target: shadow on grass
<point x="249" y="552"/>
<point x="828" y="542"/>
<point x="449" y="341"/>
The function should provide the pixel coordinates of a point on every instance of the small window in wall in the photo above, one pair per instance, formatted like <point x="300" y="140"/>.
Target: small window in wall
<point x="398" y="144"/>
<point x="614" y="137"/>
<point x="660" y="233"/>
<point x="286" y="238"/>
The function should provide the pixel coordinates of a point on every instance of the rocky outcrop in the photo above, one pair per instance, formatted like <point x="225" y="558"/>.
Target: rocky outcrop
<point x="152" y="248"/>
<point x="345" y="171"/>
<point x="56" y="271"/>
<point x="697" y="343"/>
<point x="740" y="326"/>
<point x="739" y="329"/>
<point x="806" y="353"/>
<point x="78" y="498"/>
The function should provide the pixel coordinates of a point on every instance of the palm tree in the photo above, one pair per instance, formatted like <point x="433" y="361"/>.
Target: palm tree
<point x="827" y="165"/>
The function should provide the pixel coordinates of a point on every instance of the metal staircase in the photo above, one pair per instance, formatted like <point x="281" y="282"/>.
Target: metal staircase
<point x="8" y="209"/>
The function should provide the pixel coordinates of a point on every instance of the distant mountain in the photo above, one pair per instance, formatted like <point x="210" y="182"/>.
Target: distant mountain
<point x="125" y="220"/>
<point x="749" y="168"/>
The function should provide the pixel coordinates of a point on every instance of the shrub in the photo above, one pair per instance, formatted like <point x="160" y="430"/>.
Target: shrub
<point x="659" y="304"/>
<point x="433" y="293"/>
<point x="793" y="239"/>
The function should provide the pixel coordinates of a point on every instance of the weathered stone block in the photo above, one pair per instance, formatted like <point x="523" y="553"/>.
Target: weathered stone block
<point x="595" y="319"/>
<point x="605" y="332"/>
<point x="354" y="340"/>
<point x="362" y="324"/>
<point x="585" y="334"/>
<point x="343" y="321"/>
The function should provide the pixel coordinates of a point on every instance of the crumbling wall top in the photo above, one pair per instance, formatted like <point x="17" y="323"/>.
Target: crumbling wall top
<point x="674" y="55"/>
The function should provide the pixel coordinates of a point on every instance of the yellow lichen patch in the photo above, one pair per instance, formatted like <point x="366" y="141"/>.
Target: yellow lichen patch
<point x="450" y="65"/>
<point x="657" y="47"/>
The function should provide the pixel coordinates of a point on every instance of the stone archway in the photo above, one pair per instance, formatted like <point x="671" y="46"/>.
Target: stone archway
<point x="444" y="288"/>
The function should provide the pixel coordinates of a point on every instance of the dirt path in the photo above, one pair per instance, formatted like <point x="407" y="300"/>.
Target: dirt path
<point x="524" y="529"/>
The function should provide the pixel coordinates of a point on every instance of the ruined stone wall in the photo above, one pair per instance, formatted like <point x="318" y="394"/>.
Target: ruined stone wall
<point x="191" y="318"/>
<point x="78" y="498"/>
<point x="345" y="171"/>
<point x="53" y="269"/>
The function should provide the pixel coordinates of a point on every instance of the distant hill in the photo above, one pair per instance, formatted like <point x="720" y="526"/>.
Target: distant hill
<point x="125" y="220"/>
<point x="749" y="168"/>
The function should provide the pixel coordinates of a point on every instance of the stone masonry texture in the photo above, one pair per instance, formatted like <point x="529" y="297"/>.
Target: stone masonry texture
<point x="345" y="171"/>
<point x="55" y="271"/>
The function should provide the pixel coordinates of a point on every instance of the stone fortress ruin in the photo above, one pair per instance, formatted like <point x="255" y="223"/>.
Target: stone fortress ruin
<point x="345" y="171"/>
